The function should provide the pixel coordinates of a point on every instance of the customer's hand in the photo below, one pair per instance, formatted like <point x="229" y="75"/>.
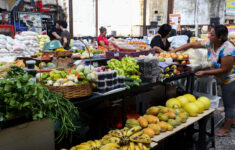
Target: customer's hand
<point x="200" y="73"/>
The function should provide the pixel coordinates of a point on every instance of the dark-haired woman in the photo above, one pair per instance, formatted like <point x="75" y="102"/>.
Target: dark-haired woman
<point x="221" y="54"/>
<point x="160" y="42"/>
<point x="103" y="40"/>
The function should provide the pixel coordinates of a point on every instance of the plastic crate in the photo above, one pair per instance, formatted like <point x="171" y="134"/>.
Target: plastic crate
<point x="214" y="99"/>
<point x="119" y="55"/>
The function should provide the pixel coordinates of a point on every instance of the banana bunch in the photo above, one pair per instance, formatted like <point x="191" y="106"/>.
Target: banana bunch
<point x="96" y="145"/>
<point x="134" y="146"/>
<point x="128" y="139"/>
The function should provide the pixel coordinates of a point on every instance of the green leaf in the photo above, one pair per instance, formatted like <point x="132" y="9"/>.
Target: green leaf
<point x="7" y="88"/>
<point x="26" y="104"/>
<point x="18" y="84"/>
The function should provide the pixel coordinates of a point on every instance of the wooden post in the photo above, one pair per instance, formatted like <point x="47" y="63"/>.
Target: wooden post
<point x="96" y="18"/>
<point x="170" y="9"/>
<point x="71" y="16"/>
<point x="144" y="19"/>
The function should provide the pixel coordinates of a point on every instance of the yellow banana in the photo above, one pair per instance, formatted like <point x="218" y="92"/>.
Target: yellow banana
<point x="97" y="143"/>
<point x="73" y="148"/>
<point x="82" y="147"/>
<point x="145" y="147"/>
<point x="125" y="147"/>
<point x="132" y="146"/>
<point x="114" y="140"/>
<point x="124" y="131"/>
<point x="116" y="133"/>
<point x="112" y="145"/>
<point x="133" y="130"/>
<point x="137" y="147"/>
<point x="140" y="146"/>
<point x="139" y="133"/>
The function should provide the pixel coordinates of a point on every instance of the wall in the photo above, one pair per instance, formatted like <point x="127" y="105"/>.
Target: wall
<point x="157" y="5"/>
<point x="206" y="9"/>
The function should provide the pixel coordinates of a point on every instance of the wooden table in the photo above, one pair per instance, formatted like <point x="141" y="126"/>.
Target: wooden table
<point x="190" y="121"/>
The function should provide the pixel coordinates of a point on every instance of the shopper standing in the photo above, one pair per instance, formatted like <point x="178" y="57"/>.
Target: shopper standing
<point x="188" y="32"/>
<point x="160" y="42"/>
<point x="65" y="35"/>
<point x="221" y="54"/>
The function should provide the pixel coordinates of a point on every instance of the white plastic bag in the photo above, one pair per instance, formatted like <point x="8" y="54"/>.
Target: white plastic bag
<point x="177" y="41"/>
<point x="2" y="46"/>
<point x="29" y="33"/>
<point x="3" y="41"/>
<point x="2" y="36"/>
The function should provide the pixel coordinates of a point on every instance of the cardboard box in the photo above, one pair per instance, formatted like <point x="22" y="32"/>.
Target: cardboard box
<point x="34" y="135"/>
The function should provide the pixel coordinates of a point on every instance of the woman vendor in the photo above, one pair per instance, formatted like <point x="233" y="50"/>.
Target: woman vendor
<point x="102" y="39"/>
<point x="221" y="54"/>
<point x="160" y="42"/>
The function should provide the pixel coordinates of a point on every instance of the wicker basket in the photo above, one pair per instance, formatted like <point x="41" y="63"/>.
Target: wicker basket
<point x="63" y="53"/>
<point x="77" y="91"/>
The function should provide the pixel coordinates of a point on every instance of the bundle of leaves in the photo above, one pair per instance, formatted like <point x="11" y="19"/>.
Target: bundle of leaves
<point x="21" y="97"/>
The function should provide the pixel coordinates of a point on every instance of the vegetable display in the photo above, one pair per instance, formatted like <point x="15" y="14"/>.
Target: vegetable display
<point x="83" y="74"/>
<point x="128" y="67"/>
<point x="20" y="97"/>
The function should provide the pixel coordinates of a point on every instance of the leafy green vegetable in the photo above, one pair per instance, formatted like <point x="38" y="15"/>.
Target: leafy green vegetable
<point x="21" y="97"/>
<point x="15" y="71"/>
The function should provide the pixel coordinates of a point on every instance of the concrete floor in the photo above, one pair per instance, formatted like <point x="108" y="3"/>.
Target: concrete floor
<point x="223" y="143"/>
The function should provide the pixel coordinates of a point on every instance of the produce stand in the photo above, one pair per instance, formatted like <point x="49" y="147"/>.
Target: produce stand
<point x="202" y="120"/>
<point x="94" y="99"/>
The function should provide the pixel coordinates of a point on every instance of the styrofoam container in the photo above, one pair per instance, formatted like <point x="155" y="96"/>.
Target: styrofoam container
<point x="214" y="99"/>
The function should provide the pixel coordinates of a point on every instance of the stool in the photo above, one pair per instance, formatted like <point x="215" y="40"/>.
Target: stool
<point x="207" y="85"/>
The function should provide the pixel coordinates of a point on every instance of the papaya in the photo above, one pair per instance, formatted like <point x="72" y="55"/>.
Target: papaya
<point x="149" y="132"/>
<point x="154" y="110"/>
<point x="132" y="123"/>
<point x="156" y="128"/>
<point x="178" y="119"/>
<point x="163" y="126"/>
<point x="143" y="122"/>
<point x="171" y="115"/>
<point x="151" y="118"/>
<point x="172" y="122"/>
<point x="169" y="127"/>
<point x="163" y="117"/>
<point x="163" y="109"/>
<point x="183" y="117"/>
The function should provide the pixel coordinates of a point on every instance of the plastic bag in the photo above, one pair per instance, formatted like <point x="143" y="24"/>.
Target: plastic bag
<point x="3" y="41"/>
<point x="34" y="38"/>
<point x="2" y="46"/>
<point x="177" y="41"/>
<point x="19" y="37"/>
<point x="2" y="36"/>
<point x="29" y="33"/>
<point x="9" y="47"/>
<point x="19" y="47"/>
<point x="3" y="50"/>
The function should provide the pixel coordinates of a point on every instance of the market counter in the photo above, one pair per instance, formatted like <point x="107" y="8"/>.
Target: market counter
<point x="202" y="120"/>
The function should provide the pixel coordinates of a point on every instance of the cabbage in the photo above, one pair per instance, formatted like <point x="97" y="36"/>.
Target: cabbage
<point x="91" y="77"/>
<point x="80" y="68"/>
<point x="87" y="70"/>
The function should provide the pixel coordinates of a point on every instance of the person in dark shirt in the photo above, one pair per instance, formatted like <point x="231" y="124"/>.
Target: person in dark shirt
<point x="65" y="35"/>
<point x="188" y="32"/>
<point x="55" y="32"/>
<point x="160" y="42"/>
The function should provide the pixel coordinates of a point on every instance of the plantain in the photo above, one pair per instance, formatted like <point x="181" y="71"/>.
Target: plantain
<point x="133" y="130"/>
<point x="116" y="133"/>
<point x="137" y="147"/>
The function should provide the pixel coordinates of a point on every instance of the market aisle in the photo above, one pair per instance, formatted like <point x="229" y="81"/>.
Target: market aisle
<point x="223" y="143"/>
